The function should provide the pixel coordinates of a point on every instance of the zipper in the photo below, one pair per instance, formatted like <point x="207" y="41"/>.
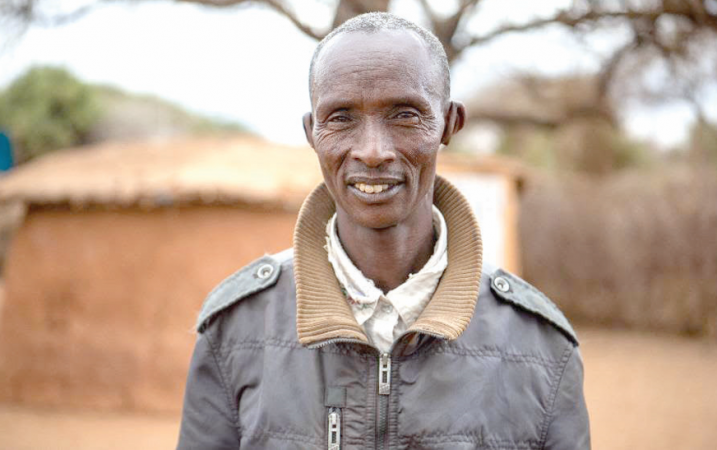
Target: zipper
<point x="334" y="429"/>
<point x="336" y="341"/>
<point x="384" y="374"/>
<point x="384" y="390"/>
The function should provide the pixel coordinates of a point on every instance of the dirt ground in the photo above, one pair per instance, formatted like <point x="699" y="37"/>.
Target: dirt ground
<point x="643" y="392"/>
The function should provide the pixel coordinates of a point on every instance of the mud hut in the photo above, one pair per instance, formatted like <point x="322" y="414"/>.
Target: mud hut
<point x="121" y="242"/>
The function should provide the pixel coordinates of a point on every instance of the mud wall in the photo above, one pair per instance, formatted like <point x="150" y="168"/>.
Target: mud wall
<point x="99" y="305"/>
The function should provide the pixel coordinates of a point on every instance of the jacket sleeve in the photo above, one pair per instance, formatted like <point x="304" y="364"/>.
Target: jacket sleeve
<point x="209" y="416"/>
<point x="569" y="427"/>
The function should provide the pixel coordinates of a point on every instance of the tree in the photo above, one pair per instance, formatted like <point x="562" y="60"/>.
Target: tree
<point x="671" y="41"/>
<point x="569" y="131"/>
<point x="46" y="109"/>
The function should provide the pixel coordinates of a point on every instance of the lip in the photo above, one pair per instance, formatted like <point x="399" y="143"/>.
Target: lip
<point x="356" y="179"/>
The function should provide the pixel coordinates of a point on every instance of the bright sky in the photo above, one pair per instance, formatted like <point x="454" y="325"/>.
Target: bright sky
<point x="250" y="64"/>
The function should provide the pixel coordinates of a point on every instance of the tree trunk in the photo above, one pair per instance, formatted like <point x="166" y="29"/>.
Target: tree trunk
<point x="348" y="9"/>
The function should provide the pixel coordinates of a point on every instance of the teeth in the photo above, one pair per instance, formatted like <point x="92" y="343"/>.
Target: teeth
<point x="371" y="188"/>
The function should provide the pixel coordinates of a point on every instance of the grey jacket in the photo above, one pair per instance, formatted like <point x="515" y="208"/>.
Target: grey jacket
<point x="268" y="374"/>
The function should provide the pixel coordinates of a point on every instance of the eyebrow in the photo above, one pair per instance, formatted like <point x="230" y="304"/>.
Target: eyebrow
<point x="335" y="104"/>
<point x="341" y="103"/>
<point x="409" y="100"/>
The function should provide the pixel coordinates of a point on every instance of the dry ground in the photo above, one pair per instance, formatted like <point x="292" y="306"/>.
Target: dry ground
<point x="643" y="391"/>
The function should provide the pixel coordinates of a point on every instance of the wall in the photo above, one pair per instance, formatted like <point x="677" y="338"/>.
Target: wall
<point x="100" y="305"/>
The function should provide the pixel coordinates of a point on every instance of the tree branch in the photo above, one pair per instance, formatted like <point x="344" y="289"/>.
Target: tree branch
<point x="277" y="5"/>
<point x="609" y="68"/>
<point x="346" y="9"/>
<point x="505" y="118"/>
<point x="567" y="19"/>
<point x="27" y="12"/>
<point x="445" y="29"/>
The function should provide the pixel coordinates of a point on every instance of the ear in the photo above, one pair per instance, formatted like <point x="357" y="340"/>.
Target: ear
<point x="308" y="122"/>
<point x="455" y="119"/>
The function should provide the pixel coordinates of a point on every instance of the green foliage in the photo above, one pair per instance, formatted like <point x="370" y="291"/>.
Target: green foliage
<point x="45" y="109"/>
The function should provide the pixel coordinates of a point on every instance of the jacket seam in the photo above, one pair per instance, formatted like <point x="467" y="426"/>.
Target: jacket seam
<point x="567" y="354"/>
<point x="371" y="406"/>
<point x="260" y="344"/>
<point x="490" y="353"/>
<point x="473" y="438"/>
<point x="284" y="435"/>
<point x="223" y="378"/>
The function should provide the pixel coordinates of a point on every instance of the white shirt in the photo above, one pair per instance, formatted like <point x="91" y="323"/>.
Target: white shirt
<point x="384" y="317"/>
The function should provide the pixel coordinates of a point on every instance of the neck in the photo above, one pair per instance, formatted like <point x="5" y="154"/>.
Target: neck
<point x="388" y="255"/>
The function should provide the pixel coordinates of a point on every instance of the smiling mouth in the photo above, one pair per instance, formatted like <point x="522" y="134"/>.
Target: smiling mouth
<point x="374" y="188"/>
<point x="371" y="188"/>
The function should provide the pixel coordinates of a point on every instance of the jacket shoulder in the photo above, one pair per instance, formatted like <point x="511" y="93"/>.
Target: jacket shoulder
<point x="258" y="275"/>
<point x="513" y="290"/>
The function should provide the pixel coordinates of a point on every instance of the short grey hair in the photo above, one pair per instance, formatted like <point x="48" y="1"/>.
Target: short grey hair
<point x="375" y="22"/>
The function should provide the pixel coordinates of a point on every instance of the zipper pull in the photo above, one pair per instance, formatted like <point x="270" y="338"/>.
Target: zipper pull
<point x="334" y="429"/>
<point x="384" y="374"/>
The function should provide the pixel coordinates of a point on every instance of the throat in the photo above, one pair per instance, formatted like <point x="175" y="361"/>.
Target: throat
<point x="388" y="256"/>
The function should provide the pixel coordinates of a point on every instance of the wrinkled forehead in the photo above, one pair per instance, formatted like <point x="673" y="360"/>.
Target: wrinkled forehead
<point x="367" y="61"/>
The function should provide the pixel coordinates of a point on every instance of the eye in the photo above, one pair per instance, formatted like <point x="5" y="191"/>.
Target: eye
<point x="406" y="115"/>
<point x="339" y="118"/>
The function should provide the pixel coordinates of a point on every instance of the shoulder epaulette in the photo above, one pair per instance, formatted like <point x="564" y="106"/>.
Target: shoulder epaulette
<point x="257" y="276"/>
<point x="518" y="292"/>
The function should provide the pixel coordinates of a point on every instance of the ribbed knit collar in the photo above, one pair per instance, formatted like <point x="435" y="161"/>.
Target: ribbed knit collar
<point x="322" y="312"/>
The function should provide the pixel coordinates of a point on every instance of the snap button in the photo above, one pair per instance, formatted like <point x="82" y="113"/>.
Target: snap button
<point x="501" y="284"/>
<point x="264" y="271"/>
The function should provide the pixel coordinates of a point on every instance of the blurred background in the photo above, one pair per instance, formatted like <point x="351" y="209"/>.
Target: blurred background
<point x="150" y="148"/>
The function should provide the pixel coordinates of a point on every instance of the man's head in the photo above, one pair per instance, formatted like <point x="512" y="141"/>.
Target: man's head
<point x="376" y="22"/>
<point x="380" y="111"/>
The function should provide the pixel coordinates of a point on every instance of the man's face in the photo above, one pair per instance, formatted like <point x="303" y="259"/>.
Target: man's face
<point x="378" y="121"/>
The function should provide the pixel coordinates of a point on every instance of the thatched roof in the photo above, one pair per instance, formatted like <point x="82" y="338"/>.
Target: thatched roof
<point x="235" y="170"/>
<point x="243" y="169"/>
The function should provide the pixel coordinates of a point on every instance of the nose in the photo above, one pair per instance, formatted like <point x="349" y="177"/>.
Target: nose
<point x="375" y="146"/>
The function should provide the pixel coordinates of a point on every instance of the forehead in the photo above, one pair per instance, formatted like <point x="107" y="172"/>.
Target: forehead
<point x="390" y="62"/>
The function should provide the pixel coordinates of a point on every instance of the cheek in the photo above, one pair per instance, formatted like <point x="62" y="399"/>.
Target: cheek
<point x="330" y="165"/>
<point x="326" y="145"/>
<point x="330" y="160"/>
<point x="423" y="155"/>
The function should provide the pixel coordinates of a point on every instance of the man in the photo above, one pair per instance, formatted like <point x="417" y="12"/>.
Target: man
<point x="379" y="329"/>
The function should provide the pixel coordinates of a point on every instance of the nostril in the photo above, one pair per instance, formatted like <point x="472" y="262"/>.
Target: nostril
<point x="374" y="156"/>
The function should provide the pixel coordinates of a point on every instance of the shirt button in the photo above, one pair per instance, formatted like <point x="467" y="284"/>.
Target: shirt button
<point x="387" y="308"/>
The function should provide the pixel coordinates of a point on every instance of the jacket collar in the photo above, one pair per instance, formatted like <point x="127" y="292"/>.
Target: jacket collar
<point x="322" y="312"/>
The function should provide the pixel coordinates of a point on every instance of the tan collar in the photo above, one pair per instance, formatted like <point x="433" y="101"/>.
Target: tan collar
<point x="322" y="312"/>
